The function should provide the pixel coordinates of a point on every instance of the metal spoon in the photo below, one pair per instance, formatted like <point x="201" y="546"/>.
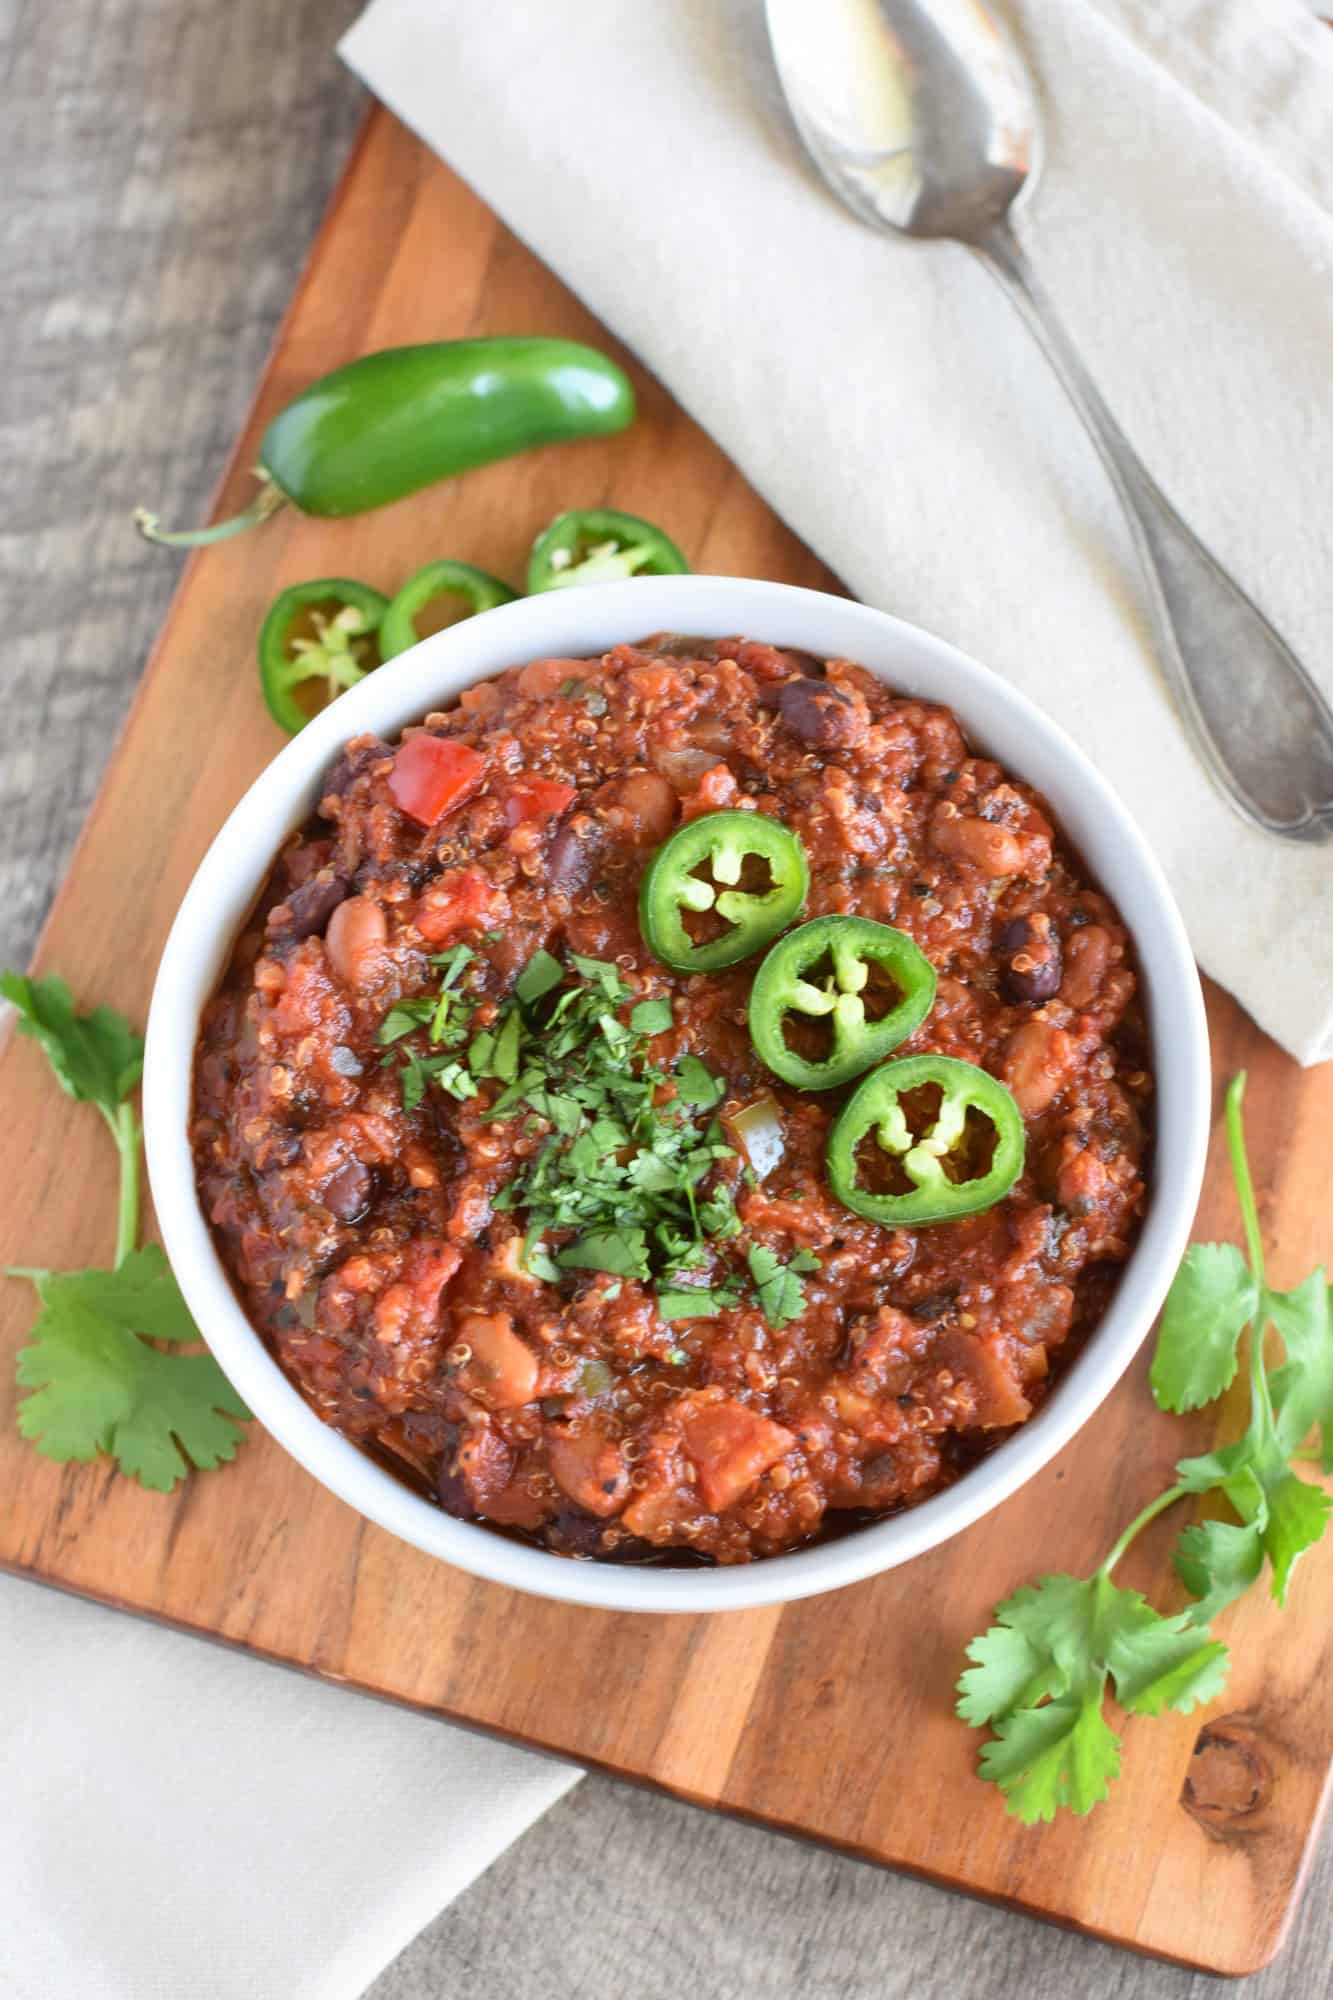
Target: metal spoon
<point x="920" y="115"/>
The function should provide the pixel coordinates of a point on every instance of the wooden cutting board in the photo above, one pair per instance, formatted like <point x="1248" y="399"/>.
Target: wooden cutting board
<point x="832" y="1718"/>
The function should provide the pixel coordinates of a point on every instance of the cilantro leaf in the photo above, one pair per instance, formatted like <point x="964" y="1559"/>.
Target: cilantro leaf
<point x="651" y="1017"/>
<point x="97" y="1057"/>
<point x="539" y="976"/>
<point x="692" y="1302"/>
<point x="1212" y="1298"/>
<point x="1159" y="1663"/>
<point x="100" y="1386"/>
<point x="1297" y="1516"/>
<point x="621" y="1252"/>
<point x="1217" y="1561"/>
<point x="781" y="1293"/>
<point x="1302" y="1389"/>
<point x="1040" y="1674"/>
<point x="1010" y="1671"/>
<point x="697" y="1085"/>
<point x="404" y="1018"/>
<point x="1062" y="1754"/>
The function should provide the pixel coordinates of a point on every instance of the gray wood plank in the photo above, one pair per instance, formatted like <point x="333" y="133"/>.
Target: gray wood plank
<point x="163" y="165"/>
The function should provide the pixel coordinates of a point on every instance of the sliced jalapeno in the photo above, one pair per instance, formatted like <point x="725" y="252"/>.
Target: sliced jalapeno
<point x="599" y="545"/>
<point x="414" y="613"/>
<point x="729" y="847"/>
<point x="317" y="639"/>
<point x="965" y="1159"/>
<point x="835" y="970"/>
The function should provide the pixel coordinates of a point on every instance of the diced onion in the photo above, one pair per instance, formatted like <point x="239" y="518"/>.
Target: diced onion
<point x="757" y="1130"/>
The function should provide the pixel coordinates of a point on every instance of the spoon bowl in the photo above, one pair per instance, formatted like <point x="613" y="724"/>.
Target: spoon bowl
<point x="919" y="117"/>
<point x="922" y="118"/>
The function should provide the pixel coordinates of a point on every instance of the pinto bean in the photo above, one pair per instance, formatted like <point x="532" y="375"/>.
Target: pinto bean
<point x="355" y="941"/>
<point x="821" y="716"/>
<point x="1038" y="1063"/>
<point x="541" y="678"/>
<point x="1086" y="965"/>
<point x="1030" y="948"/>
<point x="502" y="1369"/>
<point x="648" y="801"/>
<point x="588" y="1467"/>
<point x="982" y="843"/>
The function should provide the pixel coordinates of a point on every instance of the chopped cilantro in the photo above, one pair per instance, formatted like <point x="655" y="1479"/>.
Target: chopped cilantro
<point x="540" y="975"/>
<point x="651" y="1017"/>
<point x="693" y="1301"/>
<point x="781" y="1294"/>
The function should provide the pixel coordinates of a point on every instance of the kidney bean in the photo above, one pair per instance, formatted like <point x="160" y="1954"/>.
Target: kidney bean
<point x="821" y="716"/>
<point x="355" y="941"/>
<point x="1088" y="960"/>
<point x="576" y="854"/>
<point x="1030" y="947"/>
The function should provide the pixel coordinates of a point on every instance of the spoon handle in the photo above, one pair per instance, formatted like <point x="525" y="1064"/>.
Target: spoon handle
<point x="1262" y="727"/>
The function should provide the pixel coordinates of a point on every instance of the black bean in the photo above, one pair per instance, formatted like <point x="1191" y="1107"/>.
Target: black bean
<point x="1033" y="962"/>
<point x="360" y="753"/>
<point x="450" y="1484"/>
<point x="820" y="715"/>
<point x="347" y="1195"/>
<point x="308" y="909"/>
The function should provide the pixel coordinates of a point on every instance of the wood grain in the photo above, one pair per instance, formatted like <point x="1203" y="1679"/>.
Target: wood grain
<point x="830" y="1718"/>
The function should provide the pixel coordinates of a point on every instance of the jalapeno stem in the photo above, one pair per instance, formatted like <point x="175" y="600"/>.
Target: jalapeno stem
<point x="265" y="504"/>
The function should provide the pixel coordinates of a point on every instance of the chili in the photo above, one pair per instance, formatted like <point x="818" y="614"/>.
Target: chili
<point x="438" y="580"/>
<point x="722" y="842"/>
<point x="392" y="422"/>
<point x="600" y="545"/>
<point x="850" y="949"/>
<point x="319" y="632"/>
<point x="885" y="1105"/>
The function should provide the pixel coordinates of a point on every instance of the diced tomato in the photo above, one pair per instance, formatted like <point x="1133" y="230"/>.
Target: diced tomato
<point x="732" y="1446"/>
<point x="462" y="900"/>
<point x="432" y="775"/>
<point x="537" y="798"/>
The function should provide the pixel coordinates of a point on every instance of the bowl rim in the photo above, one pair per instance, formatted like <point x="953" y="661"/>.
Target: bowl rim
<point x="577" y="623"/>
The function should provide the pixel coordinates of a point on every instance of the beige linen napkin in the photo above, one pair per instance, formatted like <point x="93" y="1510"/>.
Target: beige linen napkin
<point x="883" y="396"/>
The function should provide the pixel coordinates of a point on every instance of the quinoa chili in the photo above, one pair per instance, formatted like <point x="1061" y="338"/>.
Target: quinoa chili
<point x="520" y="1209"/>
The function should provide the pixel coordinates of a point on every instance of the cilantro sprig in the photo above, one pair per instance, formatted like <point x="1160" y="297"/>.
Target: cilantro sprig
<point x="1039" y="1676"/>
<point x="102" y="1364"/>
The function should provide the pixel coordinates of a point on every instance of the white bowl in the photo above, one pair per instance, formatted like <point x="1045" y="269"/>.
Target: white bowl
<point x="587" y="621"/>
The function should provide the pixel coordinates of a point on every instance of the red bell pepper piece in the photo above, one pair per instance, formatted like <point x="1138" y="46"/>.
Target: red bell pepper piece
<point x="537" y="798"/>
<point x="432" y="775"/>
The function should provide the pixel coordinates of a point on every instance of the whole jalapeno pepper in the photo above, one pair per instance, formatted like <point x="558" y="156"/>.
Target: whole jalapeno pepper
<point x="390" y="423"/>
<point x="722" y="842"/>
<point x="834" y="970"/>
<point x="966" y="1160"/>
<point x="438" y="580"/>
<point x="599" y="545"/>
<point x="317" y="639"/>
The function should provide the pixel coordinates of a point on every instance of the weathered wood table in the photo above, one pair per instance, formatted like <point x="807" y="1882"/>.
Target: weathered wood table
<point x="159" y="153"/>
